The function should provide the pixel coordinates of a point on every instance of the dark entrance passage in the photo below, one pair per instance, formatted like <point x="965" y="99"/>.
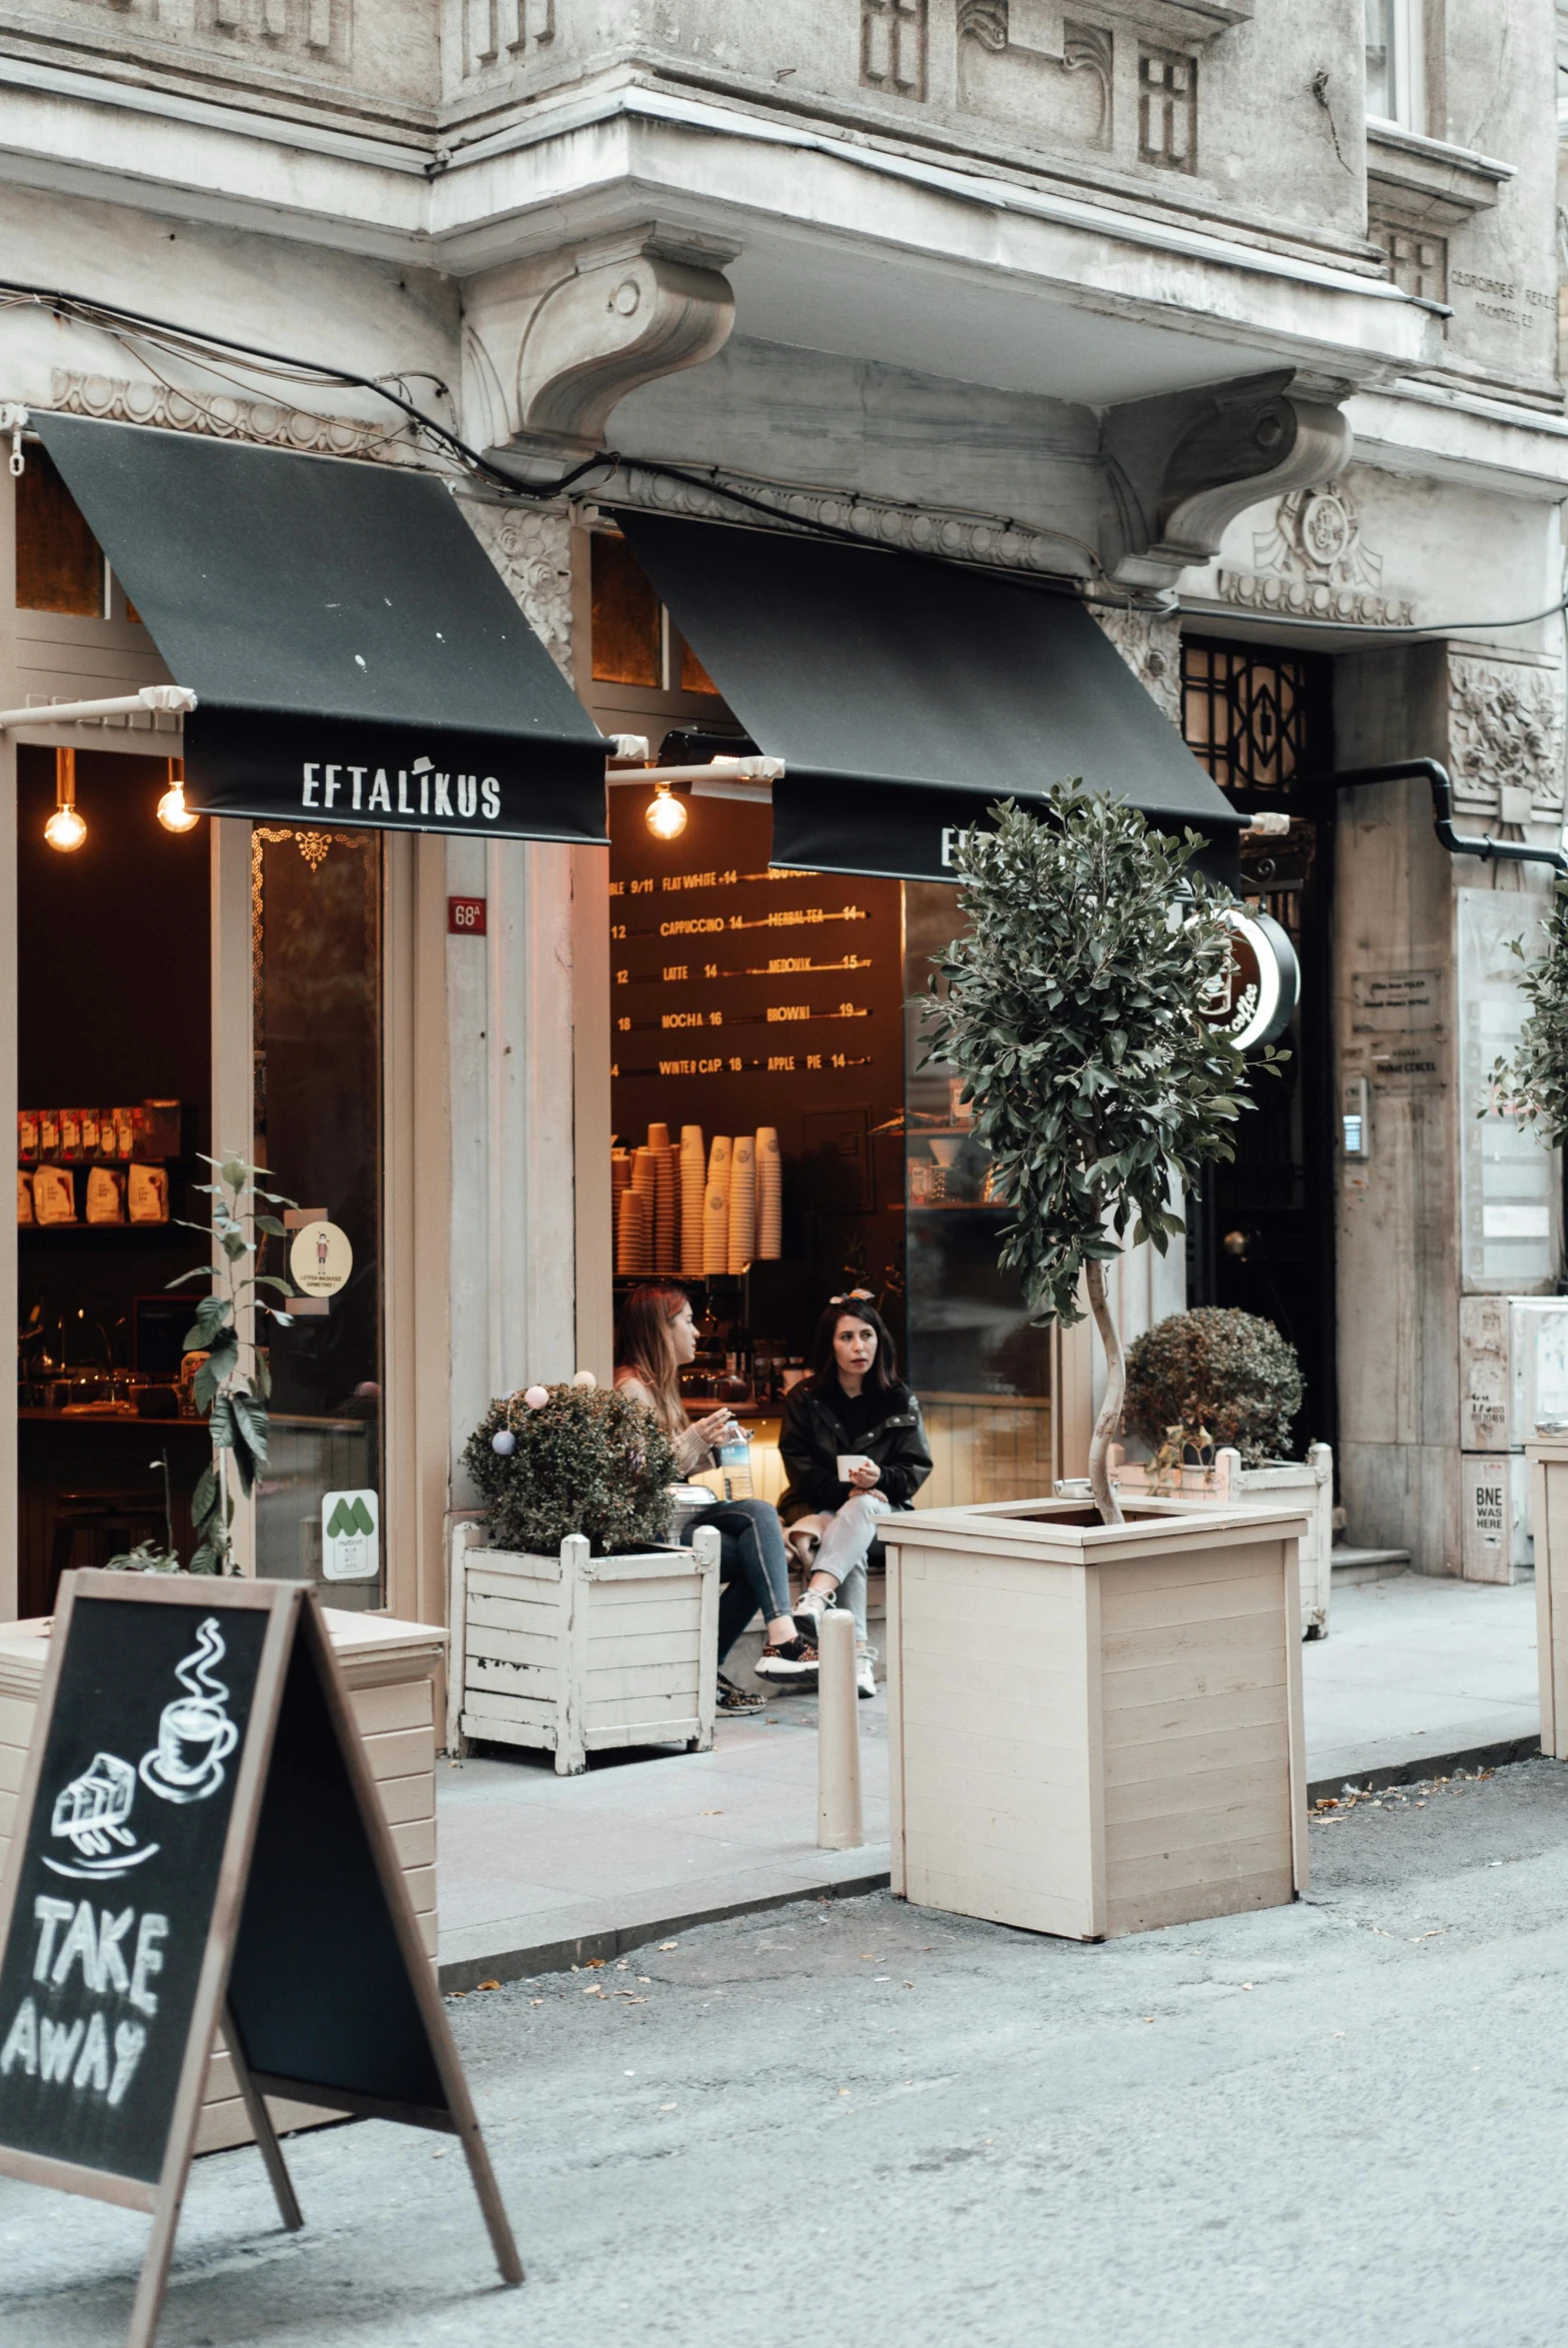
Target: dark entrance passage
<point x="1262" y="1237"/>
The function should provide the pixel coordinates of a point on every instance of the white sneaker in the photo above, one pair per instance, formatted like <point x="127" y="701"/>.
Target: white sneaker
<point x="864" y="1670"/>
<point x="809" y="1607"/>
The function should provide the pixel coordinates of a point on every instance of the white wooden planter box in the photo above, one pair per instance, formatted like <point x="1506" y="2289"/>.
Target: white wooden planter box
<point x="1095" y="1729"/>
<point x="1305" y="1485"/>
<point x="579" y="1655"/>
<point x="1548" y="1458"/>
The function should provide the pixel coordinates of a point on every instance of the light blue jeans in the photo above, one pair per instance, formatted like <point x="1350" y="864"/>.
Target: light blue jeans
<point x="847" y="1537"/>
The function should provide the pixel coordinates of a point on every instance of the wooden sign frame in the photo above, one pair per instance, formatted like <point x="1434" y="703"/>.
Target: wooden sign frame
<point x="292" y="1616"/>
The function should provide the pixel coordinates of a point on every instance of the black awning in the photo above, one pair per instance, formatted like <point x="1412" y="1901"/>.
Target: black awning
<point x="903" y="696"/>
<point x="355" y="654"/>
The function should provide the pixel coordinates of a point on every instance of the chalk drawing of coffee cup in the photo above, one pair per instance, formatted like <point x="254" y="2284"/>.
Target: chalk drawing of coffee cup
<point x="195" y="1734"/>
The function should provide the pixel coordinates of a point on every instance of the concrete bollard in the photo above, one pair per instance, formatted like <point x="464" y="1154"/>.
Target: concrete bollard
<point x="838" y="1736"/>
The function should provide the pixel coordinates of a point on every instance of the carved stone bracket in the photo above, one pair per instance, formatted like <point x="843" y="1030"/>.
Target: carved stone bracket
<point x="1505" y="737"/>
<point x="553" y="343"/>
<point x="1181" y="467"/>
<point x="531" y="546"/>
<point x="1150" y="644"/>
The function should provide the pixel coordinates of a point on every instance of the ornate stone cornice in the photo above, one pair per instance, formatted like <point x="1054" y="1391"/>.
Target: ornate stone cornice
<point x="958" y="538"/>
<point x="224" y="415"/>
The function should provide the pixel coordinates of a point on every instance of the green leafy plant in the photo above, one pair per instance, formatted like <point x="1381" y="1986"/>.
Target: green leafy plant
<point x="234" y="1397"/>
<point x="1533" y="1085"/>
<point x="1071" y="1010"/>
<point x="1224" y="1375"/>
<point x="583" y="1458"/>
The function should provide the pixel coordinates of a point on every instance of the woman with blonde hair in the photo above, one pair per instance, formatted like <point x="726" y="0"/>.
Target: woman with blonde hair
<point x="655" y="1340"/>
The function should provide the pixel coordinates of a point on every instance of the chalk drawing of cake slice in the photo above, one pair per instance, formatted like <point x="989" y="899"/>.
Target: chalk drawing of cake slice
<point x="91" y="1814"/>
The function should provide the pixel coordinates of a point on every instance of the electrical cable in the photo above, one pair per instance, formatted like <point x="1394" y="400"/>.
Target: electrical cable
<point x="195" y="342"/>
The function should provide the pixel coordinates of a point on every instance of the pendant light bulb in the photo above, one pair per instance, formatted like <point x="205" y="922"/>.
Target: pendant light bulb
<point x="64" y="828"/>
<point x="665" y="816"/>
<point x="173" y="813"/>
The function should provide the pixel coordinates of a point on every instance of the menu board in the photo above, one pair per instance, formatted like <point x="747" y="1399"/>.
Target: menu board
<point x="745" y="997"/>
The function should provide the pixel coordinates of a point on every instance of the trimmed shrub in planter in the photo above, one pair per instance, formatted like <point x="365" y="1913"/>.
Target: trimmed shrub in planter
<point x="581" y="1459"/>
<point x="1223" y="1377"/>
<point x="578" y="1626"/>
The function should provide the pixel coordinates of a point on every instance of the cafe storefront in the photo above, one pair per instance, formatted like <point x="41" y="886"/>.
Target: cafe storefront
<point x="225" y="947"/>
<point x="360" y="915"/>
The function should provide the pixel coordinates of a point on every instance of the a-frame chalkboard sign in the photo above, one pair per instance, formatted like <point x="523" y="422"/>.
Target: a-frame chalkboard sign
<point x="198" y="1841"/>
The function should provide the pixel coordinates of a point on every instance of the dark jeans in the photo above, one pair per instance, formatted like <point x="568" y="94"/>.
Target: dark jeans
<point x="754" y="1564"/>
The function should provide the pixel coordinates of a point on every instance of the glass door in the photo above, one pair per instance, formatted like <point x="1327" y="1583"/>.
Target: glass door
<point x="982" y="1371"/>
<point x="317" y="968"/>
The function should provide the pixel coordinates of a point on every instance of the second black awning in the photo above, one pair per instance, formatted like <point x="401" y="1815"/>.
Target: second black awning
<point x="356" y="657"/>
<point x="905" y="696"/>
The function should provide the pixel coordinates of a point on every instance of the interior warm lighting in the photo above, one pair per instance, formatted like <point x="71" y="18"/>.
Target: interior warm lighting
<point x="173" y="813"/>
<point x="65" y="828"/>
<point x="665" y="816"/>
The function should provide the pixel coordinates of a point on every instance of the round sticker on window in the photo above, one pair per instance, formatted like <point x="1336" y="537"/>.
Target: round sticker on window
<point x="321" y="1260"/>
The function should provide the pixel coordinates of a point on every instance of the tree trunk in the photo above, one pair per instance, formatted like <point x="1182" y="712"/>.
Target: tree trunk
<point x="1106" y="1500"/>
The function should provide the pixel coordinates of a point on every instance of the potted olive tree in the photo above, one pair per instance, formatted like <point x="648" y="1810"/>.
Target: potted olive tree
<point x="577" y="1625"/>
<point x="1095" y="1710"/>
<point x="1533" y="1085"/>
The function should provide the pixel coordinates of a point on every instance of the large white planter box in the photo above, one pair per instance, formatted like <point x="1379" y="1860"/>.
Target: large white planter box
<point x="1297" y="1484"/>
<point x="579" y="1655"/>
<point x="1095" y="1729"/>
<point x="1548" y="1458"/>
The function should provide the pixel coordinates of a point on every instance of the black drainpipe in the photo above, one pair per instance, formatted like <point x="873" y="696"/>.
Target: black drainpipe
<point x="1511" y="852"/>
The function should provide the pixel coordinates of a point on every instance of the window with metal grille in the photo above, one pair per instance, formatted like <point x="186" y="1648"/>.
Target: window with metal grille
<point x="1251" y="714"/>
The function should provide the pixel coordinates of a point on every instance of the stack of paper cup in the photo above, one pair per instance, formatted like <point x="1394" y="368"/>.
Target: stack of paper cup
<point x="715" y="1208"/>
<point x="631" y="1241"/>
<point x="743" y="1202"/>
<point x="693" y="1175"/>
<point x="666" y="1202"/>
<point x="769" y="1194"/>
<point x="620" y="1172"/>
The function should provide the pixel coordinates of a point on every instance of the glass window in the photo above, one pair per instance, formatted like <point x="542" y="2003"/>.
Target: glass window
<point x="1395" y="62"/>
<point x="59" y="563"/>
<point x="982" y="1373"/>
<point x="627" y="623"/>
<point x="316" y="900"/>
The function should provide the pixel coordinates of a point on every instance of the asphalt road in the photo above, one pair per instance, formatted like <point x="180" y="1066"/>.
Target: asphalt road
<point x="1340" y="2123"/>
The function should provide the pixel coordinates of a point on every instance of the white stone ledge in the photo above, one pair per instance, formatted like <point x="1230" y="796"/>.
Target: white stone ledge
<point x="712" y="168"/>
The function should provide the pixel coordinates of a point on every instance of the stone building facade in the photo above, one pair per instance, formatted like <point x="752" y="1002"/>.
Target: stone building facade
<point x="1241" y="316"/>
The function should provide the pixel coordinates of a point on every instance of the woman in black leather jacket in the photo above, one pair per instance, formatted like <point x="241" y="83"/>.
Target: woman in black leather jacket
<point x="854" y="1446"/>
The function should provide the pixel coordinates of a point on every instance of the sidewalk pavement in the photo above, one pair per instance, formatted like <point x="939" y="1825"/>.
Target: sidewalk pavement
<point x="538" y="1872"/>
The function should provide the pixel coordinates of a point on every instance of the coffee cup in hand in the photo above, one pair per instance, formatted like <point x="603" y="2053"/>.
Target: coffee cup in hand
<point x="846" y="1462"/>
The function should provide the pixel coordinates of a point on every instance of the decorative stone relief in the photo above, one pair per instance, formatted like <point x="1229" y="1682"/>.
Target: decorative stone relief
<point x="225" y="417"/>
<point x="1041" y="50"/>
<point x="893" y="46"/>
<point x="1183" y="466"/>
<point x="320" y="30"/>
<point x="1505" y="738"/>
<point x="496" y="32"/>
<point x="1150" y="644"/>
<point x="1313" y="560"/>
<point x="557" y="340"/>
<point x="531" y="546"/>
<point x="1168" y="109"/>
